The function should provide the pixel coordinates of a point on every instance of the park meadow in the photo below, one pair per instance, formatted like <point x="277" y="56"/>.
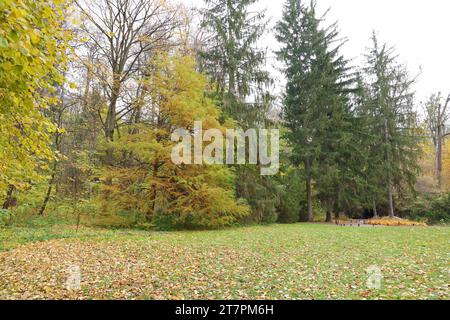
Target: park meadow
<point x="163" y="150"/>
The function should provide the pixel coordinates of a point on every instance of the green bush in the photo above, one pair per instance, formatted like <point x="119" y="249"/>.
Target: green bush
<point x="6" y="217"/>
<point x="163" y="222"/>
<point x="431" y="209"/>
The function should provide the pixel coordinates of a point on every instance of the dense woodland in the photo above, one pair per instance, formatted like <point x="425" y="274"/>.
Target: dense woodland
<point x="90" y="92"/>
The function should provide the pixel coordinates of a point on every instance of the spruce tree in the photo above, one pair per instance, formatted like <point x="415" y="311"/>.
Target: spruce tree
<point x="316" y="106"/>
<point x="232" y="59"/>
<point x="392" y="124"/>
<point x="236" y="65"/>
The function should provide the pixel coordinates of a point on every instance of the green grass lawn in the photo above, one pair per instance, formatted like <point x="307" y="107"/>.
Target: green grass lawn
<point x="302" y="261"/>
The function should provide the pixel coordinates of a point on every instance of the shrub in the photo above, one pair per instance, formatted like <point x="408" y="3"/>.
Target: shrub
<point x="431" y="209"/>
<point x="6" y="217"/>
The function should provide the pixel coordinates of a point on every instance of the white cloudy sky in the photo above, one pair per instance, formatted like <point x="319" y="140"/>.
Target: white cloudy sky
<point x="418" y="29"/>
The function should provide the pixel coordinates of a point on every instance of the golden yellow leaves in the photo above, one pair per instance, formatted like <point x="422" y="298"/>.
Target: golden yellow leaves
<point x="35" y="36"/>
<point x="17" y="13"/>
<point x="32" y="46"/>
<point x="395" y="222"/>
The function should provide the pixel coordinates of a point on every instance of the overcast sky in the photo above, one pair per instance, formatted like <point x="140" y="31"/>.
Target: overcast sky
<point x="418" y="29"/>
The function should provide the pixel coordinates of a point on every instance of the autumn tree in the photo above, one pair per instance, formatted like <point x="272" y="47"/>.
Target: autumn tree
<point x="437" y="114"/>
<point x="55" y="114"/>
<point x="147" y="180"/>
<point x="32" y="55"/>
<point x="124" y="34"/>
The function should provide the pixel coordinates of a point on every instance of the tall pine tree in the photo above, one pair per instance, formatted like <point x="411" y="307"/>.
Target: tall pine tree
<point x="232" y="59"/>
<point x="316" y="107"/>
<point x="391" y="121"/>
<point x="236" y="65"/>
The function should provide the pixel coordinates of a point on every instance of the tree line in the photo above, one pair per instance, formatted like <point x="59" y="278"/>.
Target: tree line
<point x="90" y="92"/>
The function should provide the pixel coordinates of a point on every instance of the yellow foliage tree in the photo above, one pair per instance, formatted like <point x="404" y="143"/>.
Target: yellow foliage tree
<point x="446" y="165"/>
<point x="146" y="180"/>
<point x="32" y="46"/>
<point x="427" y="181"/>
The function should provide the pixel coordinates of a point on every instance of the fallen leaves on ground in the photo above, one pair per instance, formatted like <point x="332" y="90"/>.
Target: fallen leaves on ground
<point x="392" y="222"/>
<point x="302" y="261"/>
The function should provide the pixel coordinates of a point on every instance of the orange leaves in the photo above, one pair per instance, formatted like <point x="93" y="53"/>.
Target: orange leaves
<point x="389" y="222"/>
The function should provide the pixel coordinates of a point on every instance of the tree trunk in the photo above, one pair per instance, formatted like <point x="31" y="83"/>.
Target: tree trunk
<point x="375" y="211"/>
<point x="388" y="161"/>
<point x="110" y="125"/>
<point x="329" y="218"/>
<point x="231" y="53"/>
<point x="308" y="190"/>
<point x="58" y="140"/>
<point x="390" y="202"/>
<point x="49" y="190"/>
<point x="9" y="201"/>
<point x="109" y="160"/>
<point x="78" y="213"/>
<point x="439" y="155"/>
<point x="151" y="212"/>
<point x="110" y="122"/>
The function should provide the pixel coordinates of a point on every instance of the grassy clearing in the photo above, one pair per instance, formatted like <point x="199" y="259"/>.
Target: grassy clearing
<point x="303" y="261"/>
